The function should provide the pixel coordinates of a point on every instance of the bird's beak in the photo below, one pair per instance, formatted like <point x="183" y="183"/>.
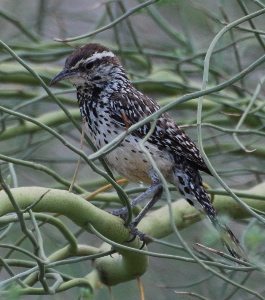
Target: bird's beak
<point x="64" y="74"/>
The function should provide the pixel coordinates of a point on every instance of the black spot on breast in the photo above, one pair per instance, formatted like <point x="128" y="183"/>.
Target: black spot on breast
<point x="89" y="126"/>
<point x="189" y="201"/>
<point x="186" y="189"/>
<point x="96" y="78"/>
<point x="181" y="181"/>
<point x="95" y="92"/>
<point x="181" y="191"/>
<point x="95" y="112"/>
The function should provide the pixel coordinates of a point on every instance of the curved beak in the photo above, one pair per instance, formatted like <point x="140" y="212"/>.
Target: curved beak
<point x="64" y="74"/>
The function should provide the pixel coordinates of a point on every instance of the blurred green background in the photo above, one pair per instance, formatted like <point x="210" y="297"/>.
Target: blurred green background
<point x="163" y="48"/>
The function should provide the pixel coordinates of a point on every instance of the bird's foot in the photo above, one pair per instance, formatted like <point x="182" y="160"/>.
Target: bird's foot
<point x="135" y="232"/>
<point x="122" y="213"/>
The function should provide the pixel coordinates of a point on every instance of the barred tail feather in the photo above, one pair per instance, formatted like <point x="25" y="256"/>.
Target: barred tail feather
<point x="230" y="241"/>
<point x="189" y="183"/>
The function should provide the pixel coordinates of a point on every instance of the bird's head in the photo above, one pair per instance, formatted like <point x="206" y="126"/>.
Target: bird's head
<point x="92" y="64"/>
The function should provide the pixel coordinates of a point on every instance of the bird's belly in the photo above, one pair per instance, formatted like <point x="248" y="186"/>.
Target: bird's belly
<point x="131" y="162"/>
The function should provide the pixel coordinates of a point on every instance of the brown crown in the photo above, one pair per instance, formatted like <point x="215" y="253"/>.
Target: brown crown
<point x="85" y="52"/>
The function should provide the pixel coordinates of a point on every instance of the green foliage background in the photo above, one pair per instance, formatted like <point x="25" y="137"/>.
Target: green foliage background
<point x="163" y="47"/>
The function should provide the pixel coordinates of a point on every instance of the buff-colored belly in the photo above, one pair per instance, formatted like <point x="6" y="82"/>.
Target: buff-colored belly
<point x="129" y="161"/>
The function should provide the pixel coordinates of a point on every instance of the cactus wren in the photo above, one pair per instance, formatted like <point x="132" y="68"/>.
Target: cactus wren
<point x="109" y="104"/>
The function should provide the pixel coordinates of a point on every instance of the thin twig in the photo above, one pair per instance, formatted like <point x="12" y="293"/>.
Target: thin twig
<point x="118" y="20"/>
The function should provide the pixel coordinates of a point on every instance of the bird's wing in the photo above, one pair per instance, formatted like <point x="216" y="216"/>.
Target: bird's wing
<point x="129" y="108"/>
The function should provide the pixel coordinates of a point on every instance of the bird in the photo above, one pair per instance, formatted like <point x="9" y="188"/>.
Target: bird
<point x="109" y="105"/>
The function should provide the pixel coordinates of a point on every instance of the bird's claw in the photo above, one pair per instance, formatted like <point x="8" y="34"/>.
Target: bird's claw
<point x="135" y="232"/>
<point x="119" y="213"/>
<point x="132" y="227"/>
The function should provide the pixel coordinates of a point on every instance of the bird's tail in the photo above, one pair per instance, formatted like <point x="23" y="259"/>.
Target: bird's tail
<point x="189" y="183"/>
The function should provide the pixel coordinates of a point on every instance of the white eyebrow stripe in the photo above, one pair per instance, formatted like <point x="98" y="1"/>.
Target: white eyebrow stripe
<point x="95" y="56"/>
<point x="99" y="55"/>
<point x="77" y="64"/>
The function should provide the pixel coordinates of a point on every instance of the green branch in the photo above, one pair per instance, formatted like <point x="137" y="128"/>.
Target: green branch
<point x="126" y="264"/>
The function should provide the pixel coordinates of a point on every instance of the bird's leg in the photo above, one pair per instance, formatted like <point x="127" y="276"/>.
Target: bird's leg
<point x="155" y="188"/>
<point x="134" y="231"/>
<point x="150" y="204"/>
<point x="152" y="189"/>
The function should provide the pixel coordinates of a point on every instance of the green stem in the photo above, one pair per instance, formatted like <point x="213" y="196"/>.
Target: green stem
<point x="81" y="212"/>
<point x="117" y="20"/>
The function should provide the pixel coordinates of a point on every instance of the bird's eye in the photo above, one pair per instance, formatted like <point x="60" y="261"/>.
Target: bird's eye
<point x="89" y="65"/>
